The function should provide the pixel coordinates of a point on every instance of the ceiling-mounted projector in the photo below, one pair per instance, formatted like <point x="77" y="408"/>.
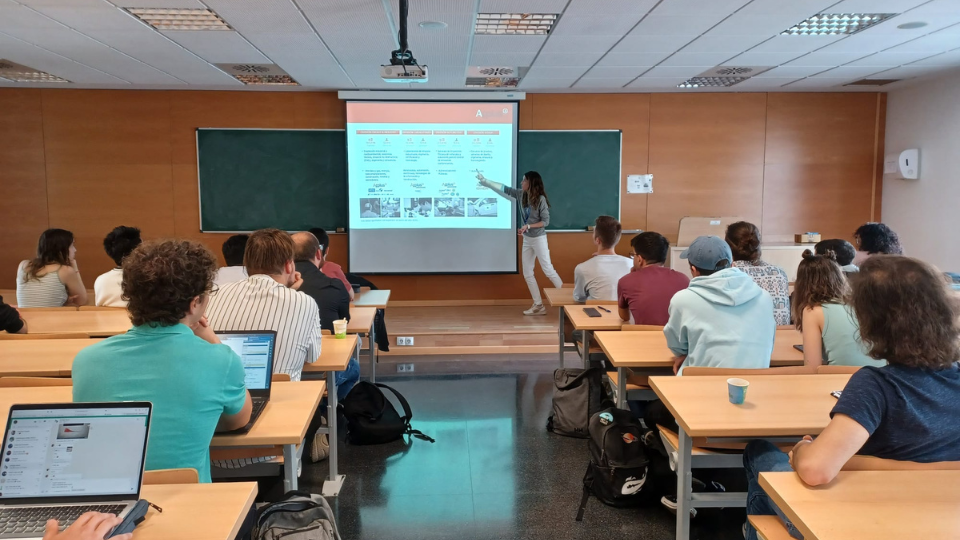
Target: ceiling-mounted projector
<point x="403" y="67"/>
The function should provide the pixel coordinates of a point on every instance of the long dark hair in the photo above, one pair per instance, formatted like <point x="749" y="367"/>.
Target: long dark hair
<point x="744" y="240"/>
<point x="819" y="281"/>
<point x="535" y="189"/>
<point x="53" y="248"/>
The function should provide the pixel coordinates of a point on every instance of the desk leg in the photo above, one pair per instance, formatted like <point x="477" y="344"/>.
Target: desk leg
<point x="622" y="387"/>
<point x="587" y="334"/>
<point x="331" y="487"/>
<point x="684" y="485"/>
<point x="291" y="463"/>
<point x="373" y="353"/>
<point x="563" y="322"/>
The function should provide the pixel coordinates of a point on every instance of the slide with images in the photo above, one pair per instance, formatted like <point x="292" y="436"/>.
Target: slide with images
<point x="414" y="165"/>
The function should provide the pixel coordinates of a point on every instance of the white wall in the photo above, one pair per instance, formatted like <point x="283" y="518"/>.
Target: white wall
<point x="926" y="212"/>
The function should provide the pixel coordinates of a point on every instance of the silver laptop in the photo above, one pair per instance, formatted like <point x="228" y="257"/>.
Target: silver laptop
<point x="60" y="460"/>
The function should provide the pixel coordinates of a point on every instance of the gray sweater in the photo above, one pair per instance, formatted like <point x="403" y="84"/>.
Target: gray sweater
<point x="534" y="214"/>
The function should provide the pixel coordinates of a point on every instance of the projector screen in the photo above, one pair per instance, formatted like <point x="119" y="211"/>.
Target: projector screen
<point x="415" y="203"/>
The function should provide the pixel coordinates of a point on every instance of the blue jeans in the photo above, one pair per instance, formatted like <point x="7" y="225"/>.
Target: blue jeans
<point x="762" y="456"/>
<point x="347" y="378"/>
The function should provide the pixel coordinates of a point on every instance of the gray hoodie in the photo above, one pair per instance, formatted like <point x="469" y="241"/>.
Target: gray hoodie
<point x="722" y="320"/>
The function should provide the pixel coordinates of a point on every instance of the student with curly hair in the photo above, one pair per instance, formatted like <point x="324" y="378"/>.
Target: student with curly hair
<point x="875" y="239"/>
<point x="171" y="357"/>
<point x="744" y="241"/>
<point x="904" y="411"/>
<point x="118" y="244"/>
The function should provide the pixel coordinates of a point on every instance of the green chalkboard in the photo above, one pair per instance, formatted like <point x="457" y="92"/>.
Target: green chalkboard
<point x="252" y="179"/>
<point x="294" y="180"/>
<point x="580" y="170"/>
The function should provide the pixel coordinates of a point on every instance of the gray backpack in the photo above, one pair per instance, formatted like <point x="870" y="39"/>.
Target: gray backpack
<point x="298" y="516"/>
<point x="578" y="394"/>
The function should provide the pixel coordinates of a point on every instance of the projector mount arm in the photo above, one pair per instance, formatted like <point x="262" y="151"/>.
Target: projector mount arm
<point x="403" y="56"/>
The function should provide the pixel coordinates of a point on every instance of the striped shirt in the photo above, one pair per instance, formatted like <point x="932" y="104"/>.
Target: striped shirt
<point x="44" y="291"/>
<point x="260" y="303"/>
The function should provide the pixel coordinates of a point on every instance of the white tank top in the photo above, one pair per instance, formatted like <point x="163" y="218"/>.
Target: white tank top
<point x="45" y="291"/>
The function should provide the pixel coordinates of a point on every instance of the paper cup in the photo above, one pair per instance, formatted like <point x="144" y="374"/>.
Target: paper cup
<point x="340" y="329"/>
<point x="737" y="390"/>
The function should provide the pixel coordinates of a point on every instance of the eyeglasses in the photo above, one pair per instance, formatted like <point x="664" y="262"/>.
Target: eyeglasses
<point x="214" y="289"/>
<point x="632" y="255"/>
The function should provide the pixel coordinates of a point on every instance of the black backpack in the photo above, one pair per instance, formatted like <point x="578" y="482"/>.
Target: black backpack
<point x="372" y="419"/>
<point x="577" y="395"/>
<point x="618" y="471"/>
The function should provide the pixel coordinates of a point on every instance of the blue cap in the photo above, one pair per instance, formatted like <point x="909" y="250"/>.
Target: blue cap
<point x="707" y="251"/>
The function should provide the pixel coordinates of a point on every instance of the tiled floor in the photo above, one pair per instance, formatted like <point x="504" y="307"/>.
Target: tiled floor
<point x="494" y="472"/>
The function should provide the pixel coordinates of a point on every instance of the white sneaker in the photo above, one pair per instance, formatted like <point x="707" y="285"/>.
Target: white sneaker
<point x="536" y="309"/>
<point x="320" y="448"/>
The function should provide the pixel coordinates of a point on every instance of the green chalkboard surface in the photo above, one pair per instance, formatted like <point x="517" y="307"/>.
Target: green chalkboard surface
<point x="580" y="170"/>
<point x="294" y="180"/>
<point x="252" y="179"/>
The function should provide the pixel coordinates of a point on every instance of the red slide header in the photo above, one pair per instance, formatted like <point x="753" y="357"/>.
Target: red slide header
<point x="430" y="113"/>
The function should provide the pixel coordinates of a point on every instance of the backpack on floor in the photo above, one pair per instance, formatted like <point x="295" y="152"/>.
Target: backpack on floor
<point x="297" y="516"/>
<point x="577" y="395"/>
<point x="618" y="471"/>
<point x="372" y="419"/>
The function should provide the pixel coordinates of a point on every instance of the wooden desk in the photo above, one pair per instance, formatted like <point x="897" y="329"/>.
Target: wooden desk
<point x="559" y="298"/>
<point x="40" y="357"/>
<point x="84" y="324"/>
<point x="870" y="505"/>
<point x="284" y="421"/>
<point x="647" y="353"/>
<point x="776" y="406"/>
<point x="361" y="323"/>
<point x="196" y="511"/>
<point x="588" y="325"/>
<point x="335" y="354"/>
<point x="377" y="299"/>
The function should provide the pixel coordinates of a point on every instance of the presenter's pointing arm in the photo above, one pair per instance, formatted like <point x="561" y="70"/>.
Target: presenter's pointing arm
<point x="497" y="187"/>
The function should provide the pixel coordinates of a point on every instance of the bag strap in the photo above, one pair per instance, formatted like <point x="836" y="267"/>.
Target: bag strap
<point x="407" y="415"/>
<point x="583" y="503"/>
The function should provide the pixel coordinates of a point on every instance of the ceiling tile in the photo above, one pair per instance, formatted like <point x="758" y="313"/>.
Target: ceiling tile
<point x="491" y="44"/>
<point x="673" y="25"/>
<point x="538" y="71"/>
<point x="890" y="59"/>
<point x="763" y="59"/>
<point x="218" y="46"/>
<point x="579" y="44"/>
<point x="875" y="6"/>
<point x="908" y="72"/>
<point x="55" y="64"/>
<point x="74" y="3"/>
<point x="603" y="83"/>
<point x="613" y="72"/>
<point x="16" y="17"/>
<point x="664" y="83"/>
<point x="696" y="59"/>
<point x="933" y="43"/>
<point x="795" y="44"/>
<point x="674" y="71"/>
<point x="595" y="24"/>
<point x="636" y="42"/>
<point x="790" y="72"/>
<point x="936" y="7"/>
<point x="849" y="73"/>
<point x="568" y="59"/>
<point x="731" y="44"/>
<point x="546" y="83"/>
<point x="818" y="83"/>
<point x="685" y="7"/>
<point x="616" y="59"/>
<point x="188" y="4"/>
<point x="522" y="6"/>
<point x="620" y="8"/>
<point x="950" y="58"/>
<point x="84" y="19"/>
<point x="758" y="83"/>
<point x="829" y="59"/>
<point x="303" y="57"/>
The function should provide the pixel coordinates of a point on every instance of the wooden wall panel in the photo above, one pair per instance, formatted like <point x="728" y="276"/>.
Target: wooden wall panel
<point x="23" y="197"/>
<point x="706" y="157"/>
<point x="819" y="164"/>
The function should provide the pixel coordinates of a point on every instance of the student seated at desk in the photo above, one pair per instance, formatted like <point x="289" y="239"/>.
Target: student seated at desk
<point x="875" y="239"/>
<point x="233" y="250"/>
<point x="170" y="357"/>
<point x="844" y="251"/>
<point x="597" y="277"/>
<point x="645" y="293"/>
<point x="10" y="320"/>
<point x="906" y="410"/>
<point x="269" y="300"/>
<point x="831" y="334"/>
<point x="118" y="244"/>
<point x="52" y="279"/>
<point x="328" y="267"/>
<point x="744" y="241"/>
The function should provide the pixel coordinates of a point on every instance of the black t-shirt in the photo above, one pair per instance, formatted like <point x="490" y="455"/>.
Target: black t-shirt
<point x="329" y="293"/>
<point x="910" y="413"/>
<point x="9" y="318"/>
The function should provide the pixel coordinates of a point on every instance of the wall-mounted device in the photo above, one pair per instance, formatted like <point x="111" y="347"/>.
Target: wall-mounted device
<point x="905" y="165"/>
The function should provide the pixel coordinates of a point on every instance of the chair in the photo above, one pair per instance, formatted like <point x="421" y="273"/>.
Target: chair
<point x="834" y="370"/>
<point x="24" y="382"/>
<point x="566" y="286"/>
<point x="791" y="370"/>
<point x="171" y="476"/>
<point x="280" y="377"/>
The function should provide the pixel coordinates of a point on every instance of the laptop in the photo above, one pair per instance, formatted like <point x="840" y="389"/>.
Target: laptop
<point x="255" y="349"/>
<point x="64" y="459"/>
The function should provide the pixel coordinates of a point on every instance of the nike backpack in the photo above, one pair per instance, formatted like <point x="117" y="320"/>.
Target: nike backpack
<point x="577" y="395"/>
<point x="372" y="419"/>
<point x="617" y="473"/>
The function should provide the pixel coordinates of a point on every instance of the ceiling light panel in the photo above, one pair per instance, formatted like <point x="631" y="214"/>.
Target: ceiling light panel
<point x="515" y="23"/>
<point x="19" y="73"/>
<point x="833" y="24"/>
<point x="180" y="19"/>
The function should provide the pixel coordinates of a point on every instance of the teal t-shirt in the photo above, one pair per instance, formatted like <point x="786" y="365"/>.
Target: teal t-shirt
<point x="841" y="338"/>
<point x="190" y="382"/>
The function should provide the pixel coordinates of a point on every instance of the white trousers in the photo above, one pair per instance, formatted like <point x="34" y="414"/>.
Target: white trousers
<point x="536" y="248"/>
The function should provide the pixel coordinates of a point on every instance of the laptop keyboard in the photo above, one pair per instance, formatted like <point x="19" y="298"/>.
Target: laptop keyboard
<point x="33" y="519"/>
<point x="257" y="408"/>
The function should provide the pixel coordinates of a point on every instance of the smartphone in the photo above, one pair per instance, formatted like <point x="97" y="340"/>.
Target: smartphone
<point x="836" y="393"/>
<point x="591" y="312"/>
<point x="798" y="347"/>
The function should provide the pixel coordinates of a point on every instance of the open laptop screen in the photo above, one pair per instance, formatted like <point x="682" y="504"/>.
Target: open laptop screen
<point x="255" y="349"/>
<point x="74" y="450"/>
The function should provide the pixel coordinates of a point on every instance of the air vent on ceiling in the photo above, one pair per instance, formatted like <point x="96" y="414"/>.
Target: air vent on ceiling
<point x="834" y="24"/>
<point x="259" y="74"/>
<point x="492" y="77"/>
<point x="515" y="23"/>
<point x="20" y="73"/>
<point x="723" y="76"/>
<point x="180" y="19"/>
<point x="702" y="82"/>
<point x="873" y="82"/>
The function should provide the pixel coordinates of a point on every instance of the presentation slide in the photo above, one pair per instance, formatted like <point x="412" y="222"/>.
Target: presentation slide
<point x="415" y="203"/>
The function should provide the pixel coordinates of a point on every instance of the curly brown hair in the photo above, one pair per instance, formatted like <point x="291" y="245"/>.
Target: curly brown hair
<point x="744" y="240"/>
<point x="819" y="281"/>
<point x="907" y="313"/>
<point x="162" y="277"/>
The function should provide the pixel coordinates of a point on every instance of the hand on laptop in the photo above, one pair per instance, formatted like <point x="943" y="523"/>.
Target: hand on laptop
<point x="90" y="526"/>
